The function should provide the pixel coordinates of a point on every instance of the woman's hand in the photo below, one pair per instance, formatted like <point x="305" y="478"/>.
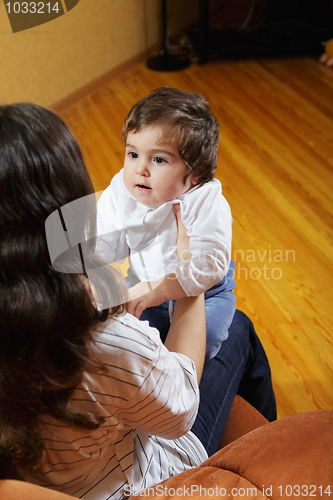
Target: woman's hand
<point x="326" y="59"/>
<point x="183" y="240"/>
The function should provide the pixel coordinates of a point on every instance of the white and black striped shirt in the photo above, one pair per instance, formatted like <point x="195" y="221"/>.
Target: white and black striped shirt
<point x="148" y="398"/>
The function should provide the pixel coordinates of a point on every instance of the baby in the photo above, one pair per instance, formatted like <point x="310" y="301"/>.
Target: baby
<point x="171" y="151"/>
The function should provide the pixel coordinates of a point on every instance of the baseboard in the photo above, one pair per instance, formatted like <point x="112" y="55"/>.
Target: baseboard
<point x="94" y="85"/>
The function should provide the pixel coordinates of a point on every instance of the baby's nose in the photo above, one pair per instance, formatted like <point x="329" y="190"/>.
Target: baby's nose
<point x="142" y="168"/>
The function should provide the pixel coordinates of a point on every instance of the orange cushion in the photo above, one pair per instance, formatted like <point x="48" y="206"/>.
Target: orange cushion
<point x="292" y="457"/>
<point x="242" y="419"/>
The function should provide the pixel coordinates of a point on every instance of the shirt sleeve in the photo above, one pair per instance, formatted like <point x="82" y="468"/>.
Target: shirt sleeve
<point x="209" y="226"/>
<point x="146" y="387"/>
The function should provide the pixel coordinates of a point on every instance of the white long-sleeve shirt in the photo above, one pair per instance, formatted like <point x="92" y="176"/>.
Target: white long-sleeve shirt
<point x="149" y="399"/>
<point x="149" y="234"/>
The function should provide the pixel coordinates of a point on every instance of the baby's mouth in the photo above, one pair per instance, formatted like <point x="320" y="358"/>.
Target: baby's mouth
<point x="142" y="186"/>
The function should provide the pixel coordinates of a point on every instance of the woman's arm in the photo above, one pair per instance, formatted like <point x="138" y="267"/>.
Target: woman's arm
<point x="156" y="386"/>
<point x="187" y="333"/>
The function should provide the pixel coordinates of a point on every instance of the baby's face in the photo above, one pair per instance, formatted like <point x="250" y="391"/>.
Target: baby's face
<point x="153" y="171"/>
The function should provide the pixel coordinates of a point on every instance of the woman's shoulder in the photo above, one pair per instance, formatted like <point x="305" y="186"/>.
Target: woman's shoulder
<point x="125" y="332"/>
<point x="128" y="349"/>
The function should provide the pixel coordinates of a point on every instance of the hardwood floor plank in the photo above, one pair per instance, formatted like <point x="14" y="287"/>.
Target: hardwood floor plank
<point x="275" y="164"/>
<point x="308" y="79"/>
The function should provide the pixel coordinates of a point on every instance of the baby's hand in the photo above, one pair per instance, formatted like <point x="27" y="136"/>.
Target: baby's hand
<point x="144" y="295"/>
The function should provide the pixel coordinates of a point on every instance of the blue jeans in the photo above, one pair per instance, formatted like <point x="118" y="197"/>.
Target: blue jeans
<point x="220" y="305"/>
<point x="240" y="367"/>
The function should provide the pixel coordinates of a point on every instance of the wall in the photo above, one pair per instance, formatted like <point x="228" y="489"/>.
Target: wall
<point x="47" y="63"/>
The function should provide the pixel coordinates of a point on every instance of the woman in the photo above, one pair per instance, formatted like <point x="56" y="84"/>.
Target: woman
<point x="92" y="403"/>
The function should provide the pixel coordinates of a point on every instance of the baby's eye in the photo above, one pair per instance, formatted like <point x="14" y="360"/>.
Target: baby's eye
<point x="159" y="160"/>
<point x="133" y="155"/>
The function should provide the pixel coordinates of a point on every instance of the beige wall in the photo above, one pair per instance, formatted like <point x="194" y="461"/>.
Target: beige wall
<point x="47" y="63"/>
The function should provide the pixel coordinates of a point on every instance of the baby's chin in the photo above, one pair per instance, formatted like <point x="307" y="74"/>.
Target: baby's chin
<point x="147" y="198"/>
<point x="150" y="203"/>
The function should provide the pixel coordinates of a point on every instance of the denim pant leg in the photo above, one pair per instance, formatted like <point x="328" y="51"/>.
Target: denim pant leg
<point x="220" y="306"/>
<point x="241" y="366"/>
<point x="220" y="309"/>
<point x="220" y="303"/>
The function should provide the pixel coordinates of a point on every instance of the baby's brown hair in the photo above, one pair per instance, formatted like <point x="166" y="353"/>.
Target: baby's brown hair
<point x="184" y="117"/>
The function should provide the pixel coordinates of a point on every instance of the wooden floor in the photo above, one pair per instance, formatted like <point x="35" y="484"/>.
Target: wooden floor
<point x="276" y="163"/>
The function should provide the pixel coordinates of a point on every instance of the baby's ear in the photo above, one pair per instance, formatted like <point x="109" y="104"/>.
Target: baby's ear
<point x="194" y="179"/>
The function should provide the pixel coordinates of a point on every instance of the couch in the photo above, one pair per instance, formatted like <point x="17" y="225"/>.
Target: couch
<point x="289" y="458"/>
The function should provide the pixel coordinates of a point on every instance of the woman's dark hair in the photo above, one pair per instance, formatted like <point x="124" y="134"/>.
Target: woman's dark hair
<point x="46" y="316"/>
<point x="184" y="117"/>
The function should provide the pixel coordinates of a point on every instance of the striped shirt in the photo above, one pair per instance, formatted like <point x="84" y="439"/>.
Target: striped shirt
<point x="148" y="397"/>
